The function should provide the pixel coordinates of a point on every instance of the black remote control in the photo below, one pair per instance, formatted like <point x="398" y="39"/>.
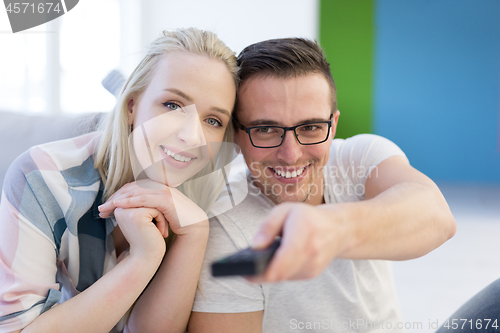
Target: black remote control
<point x="245" y="262"/>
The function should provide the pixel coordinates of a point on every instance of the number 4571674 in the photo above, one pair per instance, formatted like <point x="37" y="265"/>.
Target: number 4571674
<point x="23" y="7"/>
<point x="464" y="323"/>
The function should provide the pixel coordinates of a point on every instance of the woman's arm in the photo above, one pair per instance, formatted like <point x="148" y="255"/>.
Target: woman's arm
<point x="100" y="307"/>
<point x="165" y="306"/>
<point x="166" y="303"/>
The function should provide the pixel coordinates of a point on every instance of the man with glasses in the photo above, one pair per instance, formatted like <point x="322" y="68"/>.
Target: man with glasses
<point x="338" y="205"/>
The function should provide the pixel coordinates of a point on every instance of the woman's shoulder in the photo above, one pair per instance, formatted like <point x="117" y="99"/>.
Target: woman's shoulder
<point x="68" y="153"/>
<point x="72" y="158"/>
<point x="53" y="181"/>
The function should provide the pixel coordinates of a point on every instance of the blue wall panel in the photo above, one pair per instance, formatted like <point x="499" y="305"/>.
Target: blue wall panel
<point x="437" y="85"/>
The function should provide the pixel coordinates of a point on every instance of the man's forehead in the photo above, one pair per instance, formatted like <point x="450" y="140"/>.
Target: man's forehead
<point x="269" y="97"/>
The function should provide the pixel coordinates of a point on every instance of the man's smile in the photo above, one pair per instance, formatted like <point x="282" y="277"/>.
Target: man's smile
<point x="289" y="173"/>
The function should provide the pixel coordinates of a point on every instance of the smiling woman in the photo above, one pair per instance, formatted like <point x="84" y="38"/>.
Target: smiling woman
<point x="179" y="114"/>
<point x="83" y="221"/>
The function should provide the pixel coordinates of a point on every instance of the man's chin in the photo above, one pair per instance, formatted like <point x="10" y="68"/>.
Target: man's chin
<point x="297" y="195"/>
<point x="280" y="193"/>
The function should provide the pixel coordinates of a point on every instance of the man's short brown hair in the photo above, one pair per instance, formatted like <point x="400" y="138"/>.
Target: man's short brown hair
<point x="285" y="58"/>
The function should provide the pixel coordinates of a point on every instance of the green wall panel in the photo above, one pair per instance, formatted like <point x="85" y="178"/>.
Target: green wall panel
<point x="347" y="35"/>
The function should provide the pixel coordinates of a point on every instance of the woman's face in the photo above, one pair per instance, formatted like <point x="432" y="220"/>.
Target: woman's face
<point x="181" y="117"/>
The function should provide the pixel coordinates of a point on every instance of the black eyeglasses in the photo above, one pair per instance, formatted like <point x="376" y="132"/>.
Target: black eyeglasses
<point x="273" y="136"/>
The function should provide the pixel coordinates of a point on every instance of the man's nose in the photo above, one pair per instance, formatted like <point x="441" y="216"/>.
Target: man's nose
<point x="191" y="132"/>
<point x="290" y="150"/>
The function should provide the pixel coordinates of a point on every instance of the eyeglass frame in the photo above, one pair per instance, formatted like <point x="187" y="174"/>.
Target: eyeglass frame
<point x="292" y="128"/>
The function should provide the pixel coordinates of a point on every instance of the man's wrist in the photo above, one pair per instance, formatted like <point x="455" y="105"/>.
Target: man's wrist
<point x="345" y="218"/>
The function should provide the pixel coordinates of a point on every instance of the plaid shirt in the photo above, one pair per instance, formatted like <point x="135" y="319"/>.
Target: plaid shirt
<point x="53" y="244"/>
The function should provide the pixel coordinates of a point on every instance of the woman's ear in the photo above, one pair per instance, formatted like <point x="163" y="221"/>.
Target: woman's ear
<point x="130" y="107"/>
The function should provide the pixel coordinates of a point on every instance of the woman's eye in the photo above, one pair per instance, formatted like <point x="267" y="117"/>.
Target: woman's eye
<point x="172" y="106"/>
<point x="214" y="122"/>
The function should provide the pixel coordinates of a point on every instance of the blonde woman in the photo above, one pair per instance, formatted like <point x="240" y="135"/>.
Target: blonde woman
<point x="80" y="239"/>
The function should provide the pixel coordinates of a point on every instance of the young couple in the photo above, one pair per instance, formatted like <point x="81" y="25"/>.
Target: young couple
<point x="83" y="222"/>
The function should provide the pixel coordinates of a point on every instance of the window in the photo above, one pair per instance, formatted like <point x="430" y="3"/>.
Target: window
<point x="58" y="66"/>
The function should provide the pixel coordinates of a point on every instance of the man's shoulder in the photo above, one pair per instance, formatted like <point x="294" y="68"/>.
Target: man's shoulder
<point x="242" y="221"/>
<point x="362" y="147"/>
<point x="359" y="141"/>
<point x="350" y="163"/>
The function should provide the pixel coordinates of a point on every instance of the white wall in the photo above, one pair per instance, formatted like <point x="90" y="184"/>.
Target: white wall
<point x="237" y="22"/>
<point x="87" y="38"/>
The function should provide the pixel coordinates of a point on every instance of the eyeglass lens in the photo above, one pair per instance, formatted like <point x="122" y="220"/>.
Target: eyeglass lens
<point x="272" y="136"/>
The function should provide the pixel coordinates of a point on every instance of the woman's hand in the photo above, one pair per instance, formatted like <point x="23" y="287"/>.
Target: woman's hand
<point x="145" y="238"/>
<point x="179" y="212"/>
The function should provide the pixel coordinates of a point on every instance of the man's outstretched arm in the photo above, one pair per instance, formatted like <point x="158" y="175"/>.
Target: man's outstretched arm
<point x="404" y="216"/>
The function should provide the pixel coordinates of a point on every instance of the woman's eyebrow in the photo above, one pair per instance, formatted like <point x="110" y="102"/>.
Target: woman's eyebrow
<point x="191" y="100"/>
<point x="180" y="93"/>
<point x="223" y="111"/>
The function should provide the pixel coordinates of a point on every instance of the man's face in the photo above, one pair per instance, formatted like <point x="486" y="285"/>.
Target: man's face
<point x="286" y="102"/>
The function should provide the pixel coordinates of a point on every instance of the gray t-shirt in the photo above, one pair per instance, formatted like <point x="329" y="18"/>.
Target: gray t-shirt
<point x="350" y="295"/>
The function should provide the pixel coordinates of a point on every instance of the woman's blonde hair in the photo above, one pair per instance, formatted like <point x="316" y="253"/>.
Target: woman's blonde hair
<point x="112" y="158"/>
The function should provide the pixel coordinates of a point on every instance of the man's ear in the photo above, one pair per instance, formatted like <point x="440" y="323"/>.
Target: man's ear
<point x="336" y="115"/>
<point x="335" y="121"/>
<point x="131" y="109"/>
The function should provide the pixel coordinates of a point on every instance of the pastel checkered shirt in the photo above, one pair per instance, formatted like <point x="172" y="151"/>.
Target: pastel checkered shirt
<point x="53" y="244"/>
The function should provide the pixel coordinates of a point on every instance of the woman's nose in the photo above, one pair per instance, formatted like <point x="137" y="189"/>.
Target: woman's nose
<point x="191" y="132"/>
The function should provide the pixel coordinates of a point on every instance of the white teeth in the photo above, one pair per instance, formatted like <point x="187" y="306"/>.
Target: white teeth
<point x="177" y="157"/>
<point x="289" y="174"/>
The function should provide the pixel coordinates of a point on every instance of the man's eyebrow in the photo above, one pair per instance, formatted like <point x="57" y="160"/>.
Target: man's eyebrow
<point x="180" y="93"/>
<point x="263" y="122"/>
<point x="259" y="122"/>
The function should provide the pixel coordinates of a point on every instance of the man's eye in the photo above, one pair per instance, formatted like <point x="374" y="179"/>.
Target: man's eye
<point x="309" y="128"/>
<point x="172" y="106"/>
<point x="264" y="129"/>
<point x="214" y="122"/>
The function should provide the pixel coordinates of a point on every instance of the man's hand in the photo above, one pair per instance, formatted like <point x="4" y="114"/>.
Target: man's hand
<point x="310" y="241"/>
